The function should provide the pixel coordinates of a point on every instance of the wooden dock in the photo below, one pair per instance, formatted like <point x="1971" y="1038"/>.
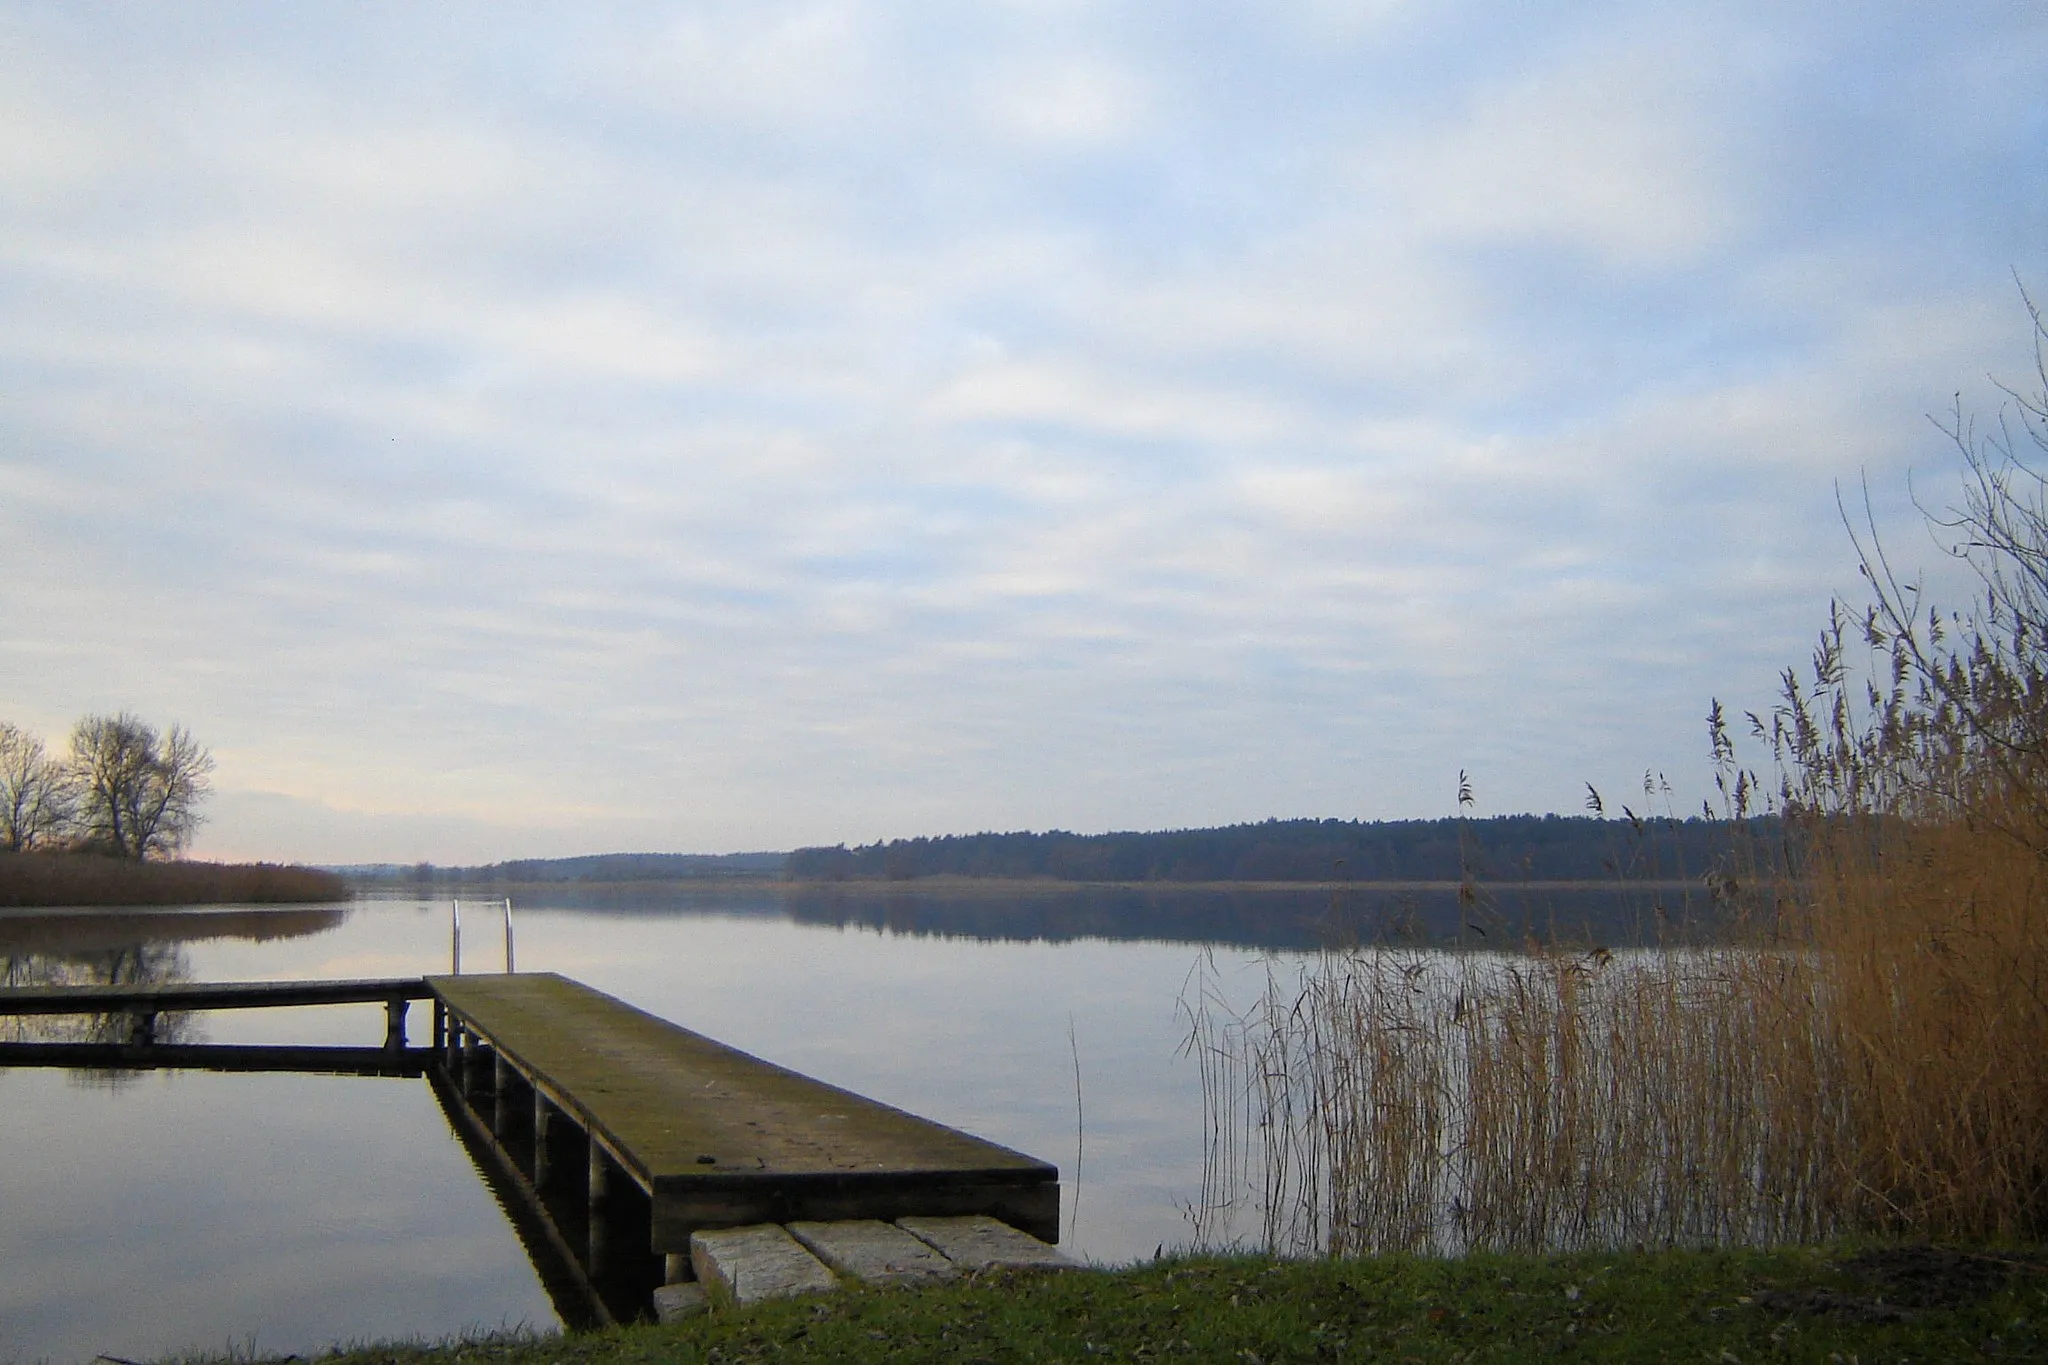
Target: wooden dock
<point x="712" y="1136"/>
<point x="140" y="1004"/>
<point x="613" y="1136"/>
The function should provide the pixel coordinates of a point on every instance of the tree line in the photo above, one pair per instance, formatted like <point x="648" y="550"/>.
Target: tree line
<point x="1505" y="848"/>
<point x="122" y="789"/>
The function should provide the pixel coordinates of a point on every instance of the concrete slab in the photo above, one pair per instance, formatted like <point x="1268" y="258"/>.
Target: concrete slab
<point x="873" y="1251"/>
<point x="674" y="1302"/>
<point x="982" y="1243"/>
<point x="748" y="1265"/>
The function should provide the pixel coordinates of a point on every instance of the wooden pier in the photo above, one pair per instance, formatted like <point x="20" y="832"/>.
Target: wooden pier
<point x="711" y="1136"/>
<point x="618" y="1134"/>
<point x="138" y="1007"/>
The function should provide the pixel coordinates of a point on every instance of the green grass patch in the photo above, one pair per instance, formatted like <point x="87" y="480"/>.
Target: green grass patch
<point x="1865" y="1305"/>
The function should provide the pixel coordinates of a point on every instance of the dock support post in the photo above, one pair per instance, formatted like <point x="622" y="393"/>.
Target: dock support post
<point x="141" y="1026"/>
<point x="676" y="1268"/>
<point x="501" y="1087"/>
<point x="600" y="1205"/>
<point x="542" y="1112"/>
<point x="394" y="1024"/>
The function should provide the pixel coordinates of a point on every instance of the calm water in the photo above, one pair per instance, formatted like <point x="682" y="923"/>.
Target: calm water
<point x="146" y="1213"/>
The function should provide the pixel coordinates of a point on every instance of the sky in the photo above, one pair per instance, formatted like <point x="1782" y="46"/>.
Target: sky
<point x="504" y="431"/>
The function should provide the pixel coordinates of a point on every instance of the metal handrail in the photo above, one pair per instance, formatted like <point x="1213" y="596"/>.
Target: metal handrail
<point x="455" y="936"/>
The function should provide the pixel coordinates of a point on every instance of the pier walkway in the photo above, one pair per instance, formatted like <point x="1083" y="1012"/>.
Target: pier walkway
<point x="715" y="1137"/>
<point x="615" y="1139"/>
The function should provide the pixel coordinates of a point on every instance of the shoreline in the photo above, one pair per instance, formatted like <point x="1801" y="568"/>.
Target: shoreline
<point x="1026" y="886"/>
<point x="69" y="881"/>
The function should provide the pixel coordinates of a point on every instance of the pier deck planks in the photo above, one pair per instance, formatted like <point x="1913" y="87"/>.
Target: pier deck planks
<point x="782" y="1147"/>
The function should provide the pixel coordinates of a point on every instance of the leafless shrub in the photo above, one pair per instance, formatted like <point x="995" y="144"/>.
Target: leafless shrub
<point x="37" y="794"/>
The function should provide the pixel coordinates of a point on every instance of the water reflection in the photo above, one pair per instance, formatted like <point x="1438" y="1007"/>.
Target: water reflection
<point x="77" y="931"/>
<point x="125" y="948"/>
<point x="1264" y="917"/>
<point x="593" y="1258"/>
<point x="138" y="964"/>
<point x="962" y="1006"/>
<point x="594" y="1277"/>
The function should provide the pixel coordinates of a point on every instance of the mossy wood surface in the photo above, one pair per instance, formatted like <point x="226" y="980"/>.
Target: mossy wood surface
<point x="721" y="1138"/>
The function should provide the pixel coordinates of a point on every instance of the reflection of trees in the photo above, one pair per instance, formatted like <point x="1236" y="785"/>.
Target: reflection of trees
<point x="70" y="934"/>
<point x="1267" y="919"/>
<point x="139" y="964"/>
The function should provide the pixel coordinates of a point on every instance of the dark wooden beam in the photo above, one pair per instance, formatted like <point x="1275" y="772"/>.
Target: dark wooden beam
<point x="172" y="996"/>
<point x="330" y="1061"/>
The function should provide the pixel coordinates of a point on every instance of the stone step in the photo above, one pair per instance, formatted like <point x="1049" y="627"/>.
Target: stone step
<point x="874" y="1252"/>
<point x="674" y="1302"/>
<point x="753" y="1264"/>
<point x="983" y="1243"/>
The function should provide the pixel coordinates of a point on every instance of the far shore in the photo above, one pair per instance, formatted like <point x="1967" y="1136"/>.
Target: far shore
<point x="66" y="880"/>
<point x="1012" y="886"/>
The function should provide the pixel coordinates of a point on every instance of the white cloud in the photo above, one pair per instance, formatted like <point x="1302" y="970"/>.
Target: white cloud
<point x="757" y="427"/>
<point x="771" y="65"/>
<point x="1618" y="152"/>
<point x="1071" y="102"/>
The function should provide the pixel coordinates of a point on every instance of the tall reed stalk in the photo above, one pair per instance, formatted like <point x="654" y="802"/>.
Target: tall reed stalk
<point x="1404" y="1100"/>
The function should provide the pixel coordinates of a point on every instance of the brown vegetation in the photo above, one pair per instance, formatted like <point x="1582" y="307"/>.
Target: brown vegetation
<point x="1868" y="1057"/>
<point x="58" y="879"/>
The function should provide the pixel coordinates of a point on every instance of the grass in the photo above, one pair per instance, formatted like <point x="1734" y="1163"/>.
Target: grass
<point x="1871" y="1305"/>
<point x="81" y="879"/>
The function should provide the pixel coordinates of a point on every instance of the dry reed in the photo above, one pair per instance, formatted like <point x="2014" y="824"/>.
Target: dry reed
<point x="1867" y="1054"/>
<point x="1409" y="1100"/>
<point x="1878" y="1068"/>
<point x="69" y="879"/>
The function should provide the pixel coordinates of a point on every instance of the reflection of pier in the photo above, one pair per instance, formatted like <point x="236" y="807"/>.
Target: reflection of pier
<point x="609" y="1136"/>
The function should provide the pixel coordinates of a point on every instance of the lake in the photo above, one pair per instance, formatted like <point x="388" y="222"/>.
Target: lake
<point x="143" y="1213"/>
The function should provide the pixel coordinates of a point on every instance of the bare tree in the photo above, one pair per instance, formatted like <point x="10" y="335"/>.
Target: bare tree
<point x="138" y="791"/>
<point x="37" y="796"/>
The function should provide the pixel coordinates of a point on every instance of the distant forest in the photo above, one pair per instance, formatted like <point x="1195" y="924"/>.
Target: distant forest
<point x="1507" y="848"/>
<point x="1502" y="848"/>
<point x="596" y="867"/>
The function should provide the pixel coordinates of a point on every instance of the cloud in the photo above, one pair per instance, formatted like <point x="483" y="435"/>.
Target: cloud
<point x="1617" y="152"/>
<point x="753" y="427"/>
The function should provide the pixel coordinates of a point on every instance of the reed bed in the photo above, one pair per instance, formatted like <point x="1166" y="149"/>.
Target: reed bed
<point x="1879" y="1067"/>
<point x="75" y="879"/>
<point x="1865" y="1053"/>
<point x="1932" y="942"/>
<point x="1406" y="1100"/>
